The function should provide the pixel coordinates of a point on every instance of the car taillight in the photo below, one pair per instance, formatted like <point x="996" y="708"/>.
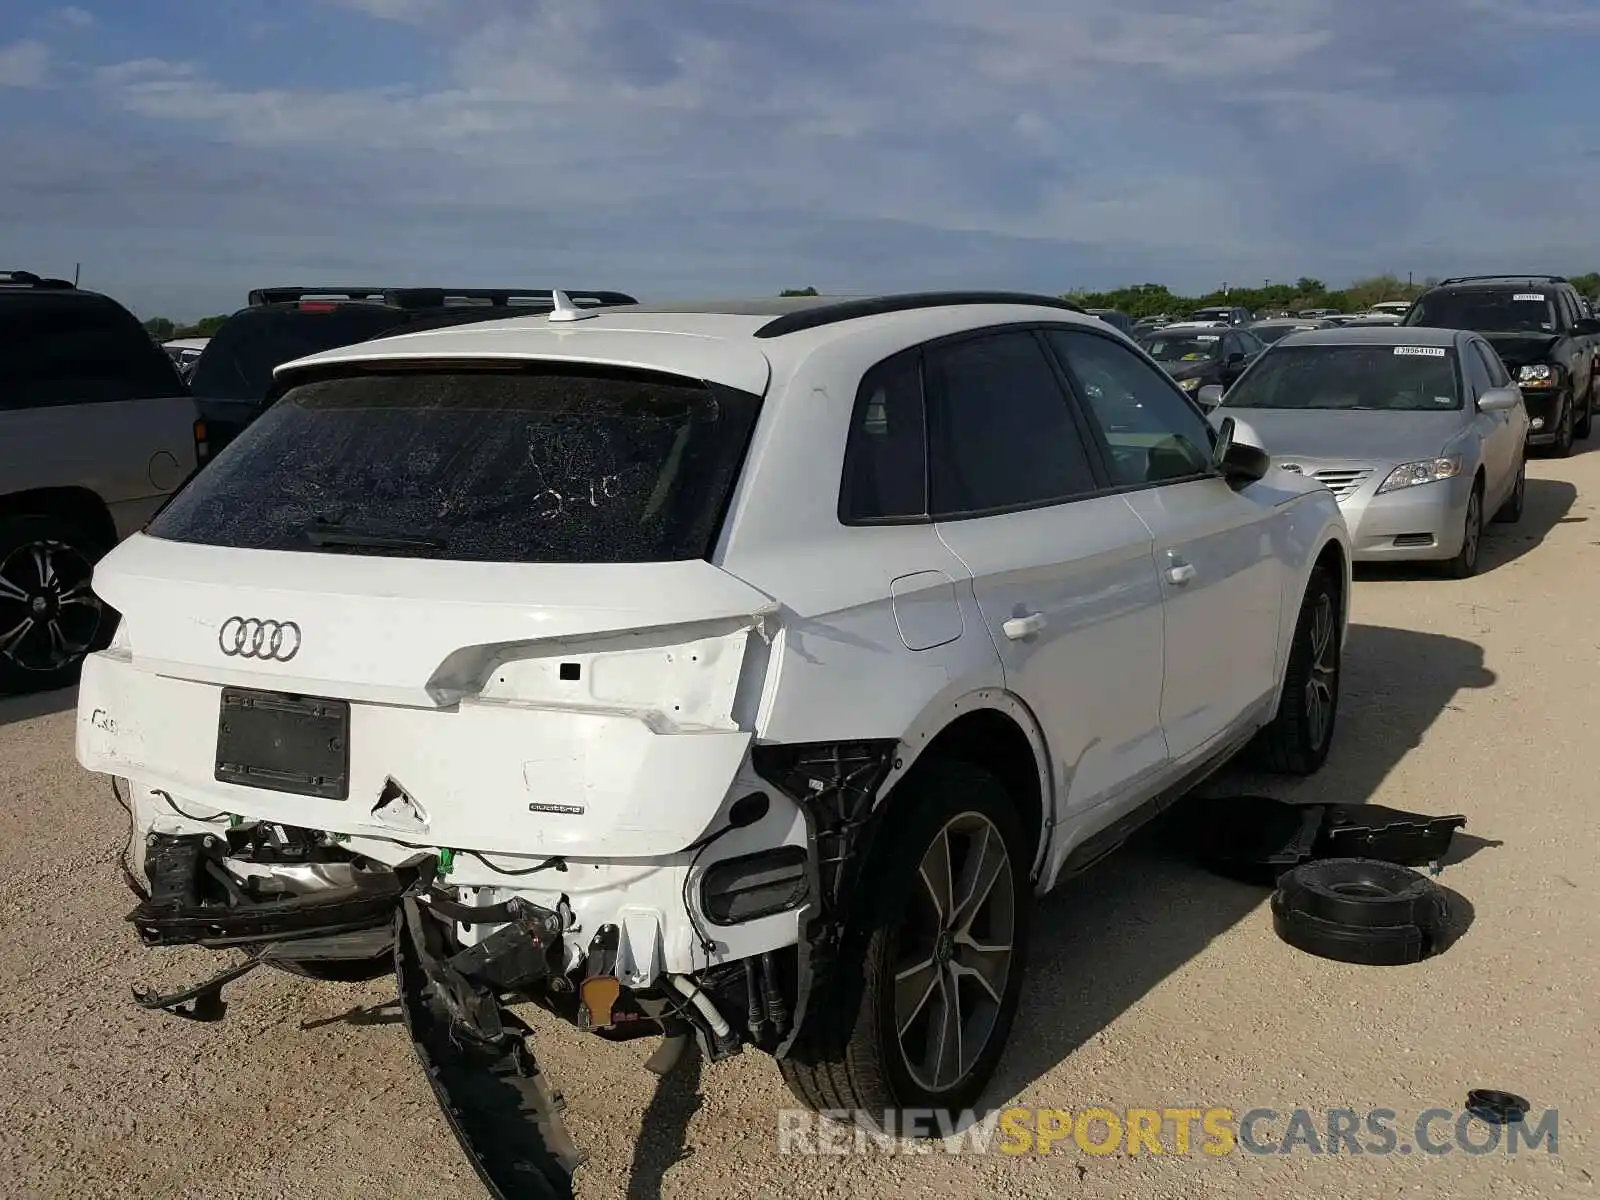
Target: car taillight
<point x="201" y="448"/>
<point x="317" y="306"/>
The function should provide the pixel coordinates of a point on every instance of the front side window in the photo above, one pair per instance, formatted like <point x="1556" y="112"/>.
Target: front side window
<point x="1498" y="375"/>
<point x="560" y="464"/>
<point x="1403" y="378"/>
<point x="1002" y="434"/>
<point x="1154" y="434"/>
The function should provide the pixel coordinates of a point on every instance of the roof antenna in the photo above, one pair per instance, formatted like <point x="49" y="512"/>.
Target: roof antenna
<point x="565" y="310"/>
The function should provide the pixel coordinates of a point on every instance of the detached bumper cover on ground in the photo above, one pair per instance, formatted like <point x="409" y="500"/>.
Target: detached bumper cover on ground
<point x="476" y="1053"/>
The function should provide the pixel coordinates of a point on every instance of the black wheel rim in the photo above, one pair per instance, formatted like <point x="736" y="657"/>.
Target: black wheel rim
<point x="48" y="614"/>
<point x="953" y="955"/>
<point x="1323" y="681"/>
<point x="1473" y="532"/>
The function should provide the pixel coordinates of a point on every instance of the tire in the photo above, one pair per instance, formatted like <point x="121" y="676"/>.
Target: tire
<point x="1511" y="511"/>
<point x="855" y="1052"/>
<point x="1296" y="741"/>
<point x="1465" y="564"/>
<point x="1564" y="430"/>
<point x="46" y="564"/>
<point x="1360" y="910"/>
<point x="1585" y="421"/>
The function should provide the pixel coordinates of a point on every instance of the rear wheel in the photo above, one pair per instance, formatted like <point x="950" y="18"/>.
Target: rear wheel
<point x="50" y="617"/>
<point x="931" y="969"/>
<point x="1564" y="431"/>
<point x="1297" y="740"/>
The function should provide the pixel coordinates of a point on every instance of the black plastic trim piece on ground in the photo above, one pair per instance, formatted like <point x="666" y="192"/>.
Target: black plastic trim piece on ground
<point x="1360" y="910"/>
<point x="493" y="1096"/>
<point x="1496" y="1107"/>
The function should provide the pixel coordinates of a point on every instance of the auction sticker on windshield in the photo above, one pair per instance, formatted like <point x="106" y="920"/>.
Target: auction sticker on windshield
<point x="1528" y="296"/>
<point x="1427" y="351"/>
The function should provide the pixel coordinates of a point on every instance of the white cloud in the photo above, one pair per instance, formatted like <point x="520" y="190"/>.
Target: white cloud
<point x="1243" y="136"/>
<point x="24" y="64"/>
<point x="75" y="18"/>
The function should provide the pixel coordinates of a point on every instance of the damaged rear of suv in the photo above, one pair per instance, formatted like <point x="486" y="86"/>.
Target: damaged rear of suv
<point x="625" y="669"/>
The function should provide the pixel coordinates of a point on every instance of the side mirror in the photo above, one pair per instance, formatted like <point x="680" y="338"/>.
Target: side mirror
<point x="1499" y="400"/>
<point x="1237" y="357"/>
<point x="1236" y="456"/>
<point x="1210" y="395"/>
<point x="1586" y="327"/>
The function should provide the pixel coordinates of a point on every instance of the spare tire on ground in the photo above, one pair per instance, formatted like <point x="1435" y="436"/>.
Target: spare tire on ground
<point x="1360" y="910"/>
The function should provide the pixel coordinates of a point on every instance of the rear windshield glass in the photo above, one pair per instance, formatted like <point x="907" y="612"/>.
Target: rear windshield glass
<point x="1402" y="378"/>
<point x="1508" y="310"/>
<point x="239" y="360"/>
<point x="569" y="465"/>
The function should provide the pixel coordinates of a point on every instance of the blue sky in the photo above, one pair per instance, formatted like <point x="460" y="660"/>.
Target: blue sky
<point x="186" y="150"/>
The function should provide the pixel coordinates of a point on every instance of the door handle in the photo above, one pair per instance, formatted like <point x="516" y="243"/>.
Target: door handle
<point x="1020" y="627"/>
<point x="1180" y="573"/>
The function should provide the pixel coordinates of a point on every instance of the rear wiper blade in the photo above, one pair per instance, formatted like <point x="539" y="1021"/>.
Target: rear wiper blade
<point x="332" y="536"/>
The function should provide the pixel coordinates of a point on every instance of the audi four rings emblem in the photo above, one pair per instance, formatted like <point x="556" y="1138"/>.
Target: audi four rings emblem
<point x="250" y="637"/>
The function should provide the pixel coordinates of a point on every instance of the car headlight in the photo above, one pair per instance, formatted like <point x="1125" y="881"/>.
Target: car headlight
<point x="1429" y="470"/>
<point x="1189" y="385"/>
<point x="1538" y="375"/>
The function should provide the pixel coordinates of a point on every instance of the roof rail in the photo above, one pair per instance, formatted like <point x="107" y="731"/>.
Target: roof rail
<point x="501" y="297"/>
<point x="820" y="315"/>
<point x="29" y="279"/>
<point x="1477" y="278"/>
<point x="430" y="297"/>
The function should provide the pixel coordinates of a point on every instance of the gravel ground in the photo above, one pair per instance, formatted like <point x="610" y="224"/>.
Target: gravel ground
<point x="1152" y="984"/>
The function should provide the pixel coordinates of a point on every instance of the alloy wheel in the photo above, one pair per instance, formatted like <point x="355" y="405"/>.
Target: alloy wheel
<point x="1323" y="680"/>
<point x="48" y="613"/>
<point x="954" y="954"/>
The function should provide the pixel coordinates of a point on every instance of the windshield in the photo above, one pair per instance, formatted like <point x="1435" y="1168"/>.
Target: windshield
<point x="1178" y="347"/>
<point x="1393" y="378"/>
<point x="572" y="464"/>
<point x="238" y="362"/>
<point x="1503" y="310"/>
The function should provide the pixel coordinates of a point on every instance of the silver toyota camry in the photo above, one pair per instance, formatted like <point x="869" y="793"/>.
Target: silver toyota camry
<point x="1420" y="433"/>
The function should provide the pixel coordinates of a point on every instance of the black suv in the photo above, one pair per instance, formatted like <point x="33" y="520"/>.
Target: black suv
<point x="1540" y="326"/>
<point x="233" y="379"/>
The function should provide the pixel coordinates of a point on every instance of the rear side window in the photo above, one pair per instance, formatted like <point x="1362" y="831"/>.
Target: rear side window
<point x="239" y="359"/>
<point x="571" y="465"/>
<point x="1002" y="434"/>
<point x="886" y="457"/>
<point x="76" y="349"/>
